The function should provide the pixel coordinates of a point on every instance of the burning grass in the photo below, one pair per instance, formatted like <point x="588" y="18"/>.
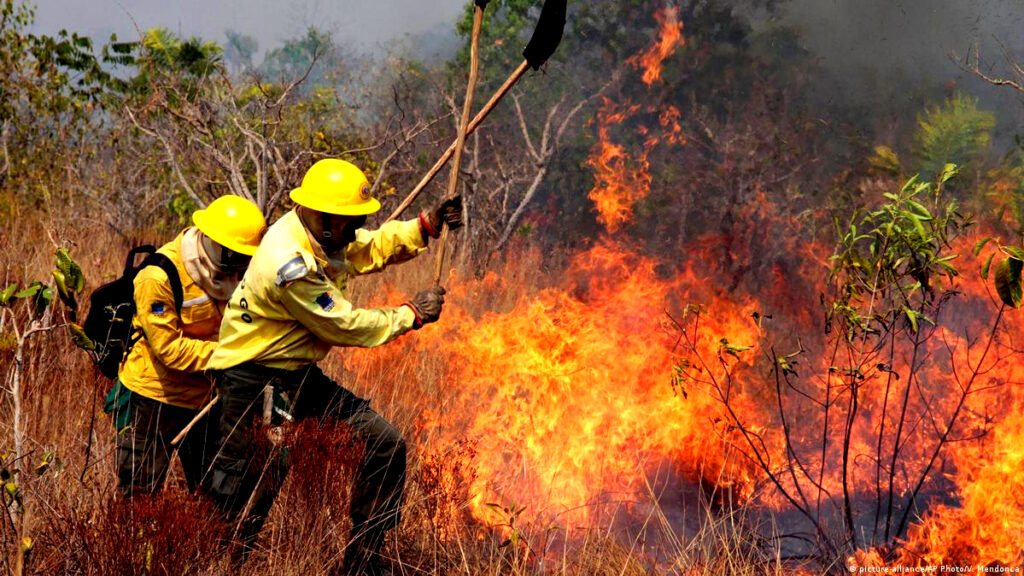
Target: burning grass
<point x="551" y="432"/>
<point x="726" y="410"/>
<point x="79" y="527"/>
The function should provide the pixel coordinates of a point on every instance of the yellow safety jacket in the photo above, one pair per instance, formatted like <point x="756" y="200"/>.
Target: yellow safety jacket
<point x="291" y="306"/>
<point x="166" y="364"/>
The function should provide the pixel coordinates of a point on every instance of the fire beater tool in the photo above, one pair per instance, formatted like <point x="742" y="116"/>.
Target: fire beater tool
<point x="546" y="37"/>
<point x="460" y="141"/>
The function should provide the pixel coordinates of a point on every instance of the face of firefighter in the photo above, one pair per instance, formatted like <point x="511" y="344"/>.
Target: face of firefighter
<point x="225" y="259"/>
<point x="333" y="232"/>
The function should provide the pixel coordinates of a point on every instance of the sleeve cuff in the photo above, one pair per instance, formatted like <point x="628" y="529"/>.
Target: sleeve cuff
<point x="409" y="316"/>
<point x="426" y="227"/>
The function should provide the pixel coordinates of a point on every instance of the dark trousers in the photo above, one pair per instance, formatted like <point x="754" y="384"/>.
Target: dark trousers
<point x="143" y="442"/>
<point x="379" y="482"/>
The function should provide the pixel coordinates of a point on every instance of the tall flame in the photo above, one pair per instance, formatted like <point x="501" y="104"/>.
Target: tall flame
<point x="670" y="37"/>
<point x="619" y="180"/>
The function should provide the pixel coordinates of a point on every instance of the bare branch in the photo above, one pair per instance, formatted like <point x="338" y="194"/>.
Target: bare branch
<point x="317" y="53"/>
<point x="407" y="137"/>
<point x="522" y="126"/>
<point x="170" y="157"/>
<point x="510" y="226"/>
<point x="974" y="67"/>
<point x="4" y="132"/>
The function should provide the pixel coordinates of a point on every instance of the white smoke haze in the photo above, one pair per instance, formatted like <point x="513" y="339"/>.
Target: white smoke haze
<point x="890" y="53"/>
<point x="873" y="51"/>
<point x="355" y="23"/>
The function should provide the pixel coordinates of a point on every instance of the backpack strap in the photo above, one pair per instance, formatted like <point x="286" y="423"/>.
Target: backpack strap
<point x="165" y="264"/>
<point x="129" y="264"/>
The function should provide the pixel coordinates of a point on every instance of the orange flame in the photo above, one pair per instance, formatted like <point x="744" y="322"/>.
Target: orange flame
<point x="572" y="398"/>
<point x="619" y="181"/>
<point x="567" y="394"/>
<point x="670" y="37"/>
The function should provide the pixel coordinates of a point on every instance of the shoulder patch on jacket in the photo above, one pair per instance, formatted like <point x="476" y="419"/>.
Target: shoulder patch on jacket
<point x="325" y="301"/>
<point x="292" y="271"/>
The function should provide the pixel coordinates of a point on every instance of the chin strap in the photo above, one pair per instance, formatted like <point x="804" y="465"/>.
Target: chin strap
<point x="325" y="229"/>
<point x="327" y="239"/>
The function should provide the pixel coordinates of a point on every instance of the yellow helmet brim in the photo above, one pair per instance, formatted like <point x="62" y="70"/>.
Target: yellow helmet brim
<point x="316" y="201"/>
<point x="209" y="227"/>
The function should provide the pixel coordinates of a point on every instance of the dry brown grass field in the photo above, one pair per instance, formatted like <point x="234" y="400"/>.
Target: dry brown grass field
<point x="78" y="525"/>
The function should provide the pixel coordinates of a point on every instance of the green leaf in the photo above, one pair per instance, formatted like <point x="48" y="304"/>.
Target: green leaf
<point x="1014" y="252"/>
<point x="30" y="291"/>
<point x="725" y="347"/>
<point x="74" y="279"/>
<point x="79" y="338"/>
<point x="42" y="301"/>
<point x="1008" y="281"/>
<point x="13" y="490"/>
<point x="948" y="172"/>
<point x="920" y="209"/>
<point x="988" y="264"/>
<point x="981" y="244"/>
<point x="918" y="226"/>
<point x="44" y="464"/>
<point x="7" y="294"/>
<point x="886" y="160"/>
<point x="912" y="316"/>
<point x="949" y="268"/>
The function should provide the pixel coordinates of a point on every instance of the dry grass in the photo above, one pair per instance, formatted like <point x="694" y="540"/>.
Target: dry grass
<point x="81" y="528"/>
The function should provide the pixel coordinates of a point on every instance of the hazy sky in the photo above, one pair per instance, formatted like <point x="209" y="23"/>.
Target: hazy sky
<point x="869" y="48"/>
<point x="363" y="22"/>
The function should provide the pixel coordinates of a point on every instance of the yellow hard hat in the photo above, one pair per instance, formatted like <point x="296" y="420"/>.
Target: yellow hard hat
<point x="335" y="187"/>
<point x="232" y="222"/>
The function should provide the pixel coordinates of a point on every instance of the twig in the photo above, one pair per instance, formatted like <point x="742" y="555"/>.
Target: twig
<point x="757" y="454"/>
<point x="170" y="157"/>
<point x="949" y="428"/>
<point x="92" y="424"/>
<point x="912" y="373"/>
<point x="548" y="147"/>
<point x="406" y="139"/>
<point x="975" y="68"/>
<point x="4" y="131"/>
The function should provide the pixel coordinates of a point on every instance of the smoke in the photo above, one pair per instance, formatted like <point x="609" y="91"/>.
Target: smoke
<point x="893" y="55"/>
<point x="362" y="24"/>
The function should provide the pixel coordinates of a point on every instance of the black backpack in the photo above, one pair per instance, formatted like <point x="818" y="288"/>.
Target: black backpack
<point x="112" y="306"/>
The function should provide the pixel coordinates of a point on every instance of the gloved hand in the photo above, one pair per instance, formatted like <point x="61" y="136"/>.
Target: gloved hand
<point x="449" y="211"/>
<point x="427" y="305"/>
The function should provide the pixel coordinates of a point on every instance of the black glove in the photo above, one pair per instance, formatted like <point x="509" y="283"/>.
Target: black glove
<point x="427" y="305"/>
<point x="449" y="211"/>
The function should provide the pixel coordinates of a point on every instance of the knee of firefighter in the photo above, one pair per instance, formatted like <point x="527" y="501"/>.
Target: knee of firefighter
<point x="391" y="451"/>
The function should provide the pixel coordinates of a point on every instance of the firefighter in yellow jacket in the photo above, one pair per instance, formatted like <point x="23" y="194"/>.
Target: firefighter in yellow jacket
<point x="288" y="312"/>
<point x="161" y="385"/>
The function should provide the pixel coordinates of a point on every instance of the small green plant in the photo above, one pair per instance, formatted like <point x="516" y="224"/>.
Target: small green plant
<point x="25" y="313"/>
<point x="1007" y="279"/>
<point x="956" y="131"/>
<point x="890" y="262"/>
<point x="510" y="514"/>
